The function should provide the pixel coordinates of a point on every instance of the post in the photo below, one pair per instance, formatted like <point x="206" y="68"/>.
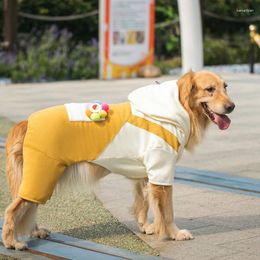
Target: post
<point x="251" y="57"/>
<point x="10" y="24"/>
<point x="191" y="35"/>
<point x="252" y="35"/>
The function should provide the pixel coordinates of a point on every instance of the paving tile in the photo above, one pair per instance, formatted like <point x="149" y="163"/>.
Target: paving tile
<point x="254" y="231"/>
<point x="217" y="235"/>
<point x="250" y="245"/>
<point x="237" y="256"/>
<point x="180" y="250"/>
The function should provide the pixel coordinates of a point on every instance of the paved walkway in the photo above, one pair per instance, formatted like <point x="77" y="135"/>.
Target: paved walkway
<point x="226" y="225"/>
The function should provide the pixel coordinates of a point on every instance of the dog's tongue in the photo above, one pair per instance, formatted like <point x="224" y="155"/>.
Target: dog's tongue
<point x="222" y="121"/>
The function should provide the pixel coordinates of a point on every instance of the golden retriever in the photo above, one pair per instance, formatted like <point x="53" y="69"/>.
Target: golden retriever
<point x="203" y="95"/>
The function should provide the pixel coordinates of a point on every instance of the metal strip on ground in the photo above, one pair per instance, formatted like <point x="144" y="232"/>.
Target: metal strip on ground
<point x="20" y="254"/>
<point x="219" y="181"/>
<point x="59" y="246"/>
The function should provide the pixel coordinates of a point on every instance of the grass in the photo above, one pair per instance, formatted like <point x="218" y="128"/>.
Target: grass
<point x="5" y="257"/>
<point x="77" y="214"/>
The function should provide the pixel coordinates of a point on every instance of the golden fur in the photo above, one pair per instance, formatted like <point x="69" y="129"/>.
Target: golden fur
<point x="20" y="214"/>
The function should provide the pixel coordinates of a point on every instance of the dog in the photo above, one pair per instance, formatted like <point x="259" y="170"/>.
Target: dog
<point x="157" y="123"/>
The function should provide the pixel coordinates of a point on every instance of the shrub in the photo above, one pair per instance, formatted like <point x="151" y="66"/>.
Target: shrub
<point x="53" y="56"/>
<point x="84" y="61"/>
<point x="6" y="64"/>
<point x="219" y="51"/>
<point x="167" y="65"/>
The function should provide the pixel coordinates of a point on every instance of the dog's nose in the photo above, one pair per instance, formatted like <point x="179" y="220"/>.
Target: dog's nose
<point x="230" y="107"/>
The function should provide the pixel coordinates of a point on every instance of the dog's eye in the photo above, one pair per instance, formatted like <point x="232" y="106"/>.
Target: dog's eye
<point x="210" y="89"/>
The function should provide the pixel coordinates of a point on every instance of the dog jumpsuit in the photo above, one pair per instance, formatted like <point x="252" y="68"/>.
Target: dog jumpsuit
<point x="143" y="137"/>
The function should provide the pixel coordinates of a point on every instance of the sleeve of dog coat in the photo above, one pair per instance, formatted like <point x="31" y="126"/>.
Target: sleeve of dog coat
<point x="160" y="166"/>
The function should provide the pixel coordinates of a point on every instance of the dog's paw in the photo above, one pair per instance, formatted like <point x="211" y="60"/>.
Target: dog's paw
<point x="141" y="227"/>
<point x="149" y="229"/>
<point x="183" y="234"/>
<point x="41" y="233"/>
<point x="9" y="245"/>
<point x="20" y="246"/>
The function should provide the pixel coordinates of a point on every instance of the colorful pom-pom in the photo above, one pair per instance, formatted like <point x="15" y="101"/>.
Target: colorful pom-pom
<point x="95" y="107"/>
<point x="105" y="107"/>
<point x="102" y="113"/>
<point x="95" y="116"/>
<point x="97" y="111"/>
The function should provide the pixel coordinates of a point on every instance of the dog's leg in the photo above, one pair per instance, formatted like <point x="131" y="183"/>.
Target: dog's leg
<point x="30" y="219"/>
<point x="161" y="200"/>
<point x="40" y="232"/>
<point x="141" y="204"/>
<point x="15" y="218"/>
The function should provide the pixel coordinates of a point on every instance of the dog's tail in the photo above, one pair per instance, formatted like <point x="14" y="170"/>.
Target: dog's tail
<point x="14" y="157"/>
<point x="14" y="172"/>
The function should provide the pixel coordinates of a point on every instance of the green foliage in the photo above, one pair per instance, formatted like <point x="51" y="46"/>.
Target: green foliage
<point x="85" y="62"/>
<point x="219" y="51"/>
<point x="83" y="30"/>
<point x="229" y="8"/>
<point x="167" y="39"/>
<point x="167" y="65"/>
<point x="53" y="56"/>
<point x="5" y="69"/>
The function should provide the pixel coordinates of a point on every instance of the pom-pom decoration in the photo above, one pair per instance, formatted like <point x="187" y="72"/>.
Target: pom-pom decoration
<point x="97" y="111"/>
<point x="95" y="117"/>
<point x="102" y="113"/>
<point x="105" y="107"/>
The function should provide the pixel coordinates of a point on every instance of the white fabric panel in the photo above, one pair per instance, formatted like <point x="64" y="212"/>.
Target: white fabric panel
<point x="77" y="112"/>
<point x="126" y="154"/>
<point x="160" y="166"/>
<point x="161" y="102"/>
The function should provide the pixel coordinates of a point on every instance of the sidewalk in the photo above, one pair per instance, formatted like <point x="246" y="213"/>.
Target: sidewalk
<point x="225" y="225"/>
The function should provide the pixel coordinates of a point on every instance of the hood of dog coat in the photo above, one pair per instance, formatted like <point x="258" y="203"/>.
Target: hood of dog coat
<point x="161" y="102"/>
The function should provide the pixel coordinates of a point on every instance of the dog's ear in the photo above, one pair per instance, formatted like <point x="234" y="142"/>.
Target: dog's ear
<point x="186" y="87"/>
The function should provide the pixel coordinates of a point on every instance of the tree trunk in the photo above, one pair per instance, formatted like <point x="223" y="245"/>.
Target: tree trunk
<point x="10" y="24"/>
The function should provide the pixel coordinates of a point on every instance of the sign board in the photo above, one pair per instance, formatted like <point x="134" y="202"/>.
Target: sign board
<point x="126" y="37"/>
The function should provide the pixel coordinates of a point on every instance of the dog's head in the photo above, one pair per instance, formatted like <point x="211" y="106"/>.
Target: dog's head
<point x="204" y="95"/>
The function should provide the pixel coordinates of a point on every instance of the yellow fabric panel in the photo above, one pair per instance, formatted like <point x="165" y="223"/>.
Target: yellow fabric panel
<point x="52" y="142"/>
<point x="51" y="132"/>
<point x="156" y="129"/>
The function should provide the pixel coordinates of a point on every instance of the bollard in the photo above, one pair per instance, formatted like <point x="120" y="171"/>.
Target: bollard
<point x="251" y="57"/>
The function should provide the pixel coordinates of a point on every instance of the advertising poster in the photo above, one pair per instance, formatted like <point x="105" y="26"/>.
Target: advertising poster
<point x="126" y="37"/>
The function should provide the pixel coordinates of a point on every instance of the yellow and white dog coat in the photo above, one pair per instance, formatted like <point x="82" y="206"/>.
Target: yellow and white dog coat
<point x="143" y="137"/>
